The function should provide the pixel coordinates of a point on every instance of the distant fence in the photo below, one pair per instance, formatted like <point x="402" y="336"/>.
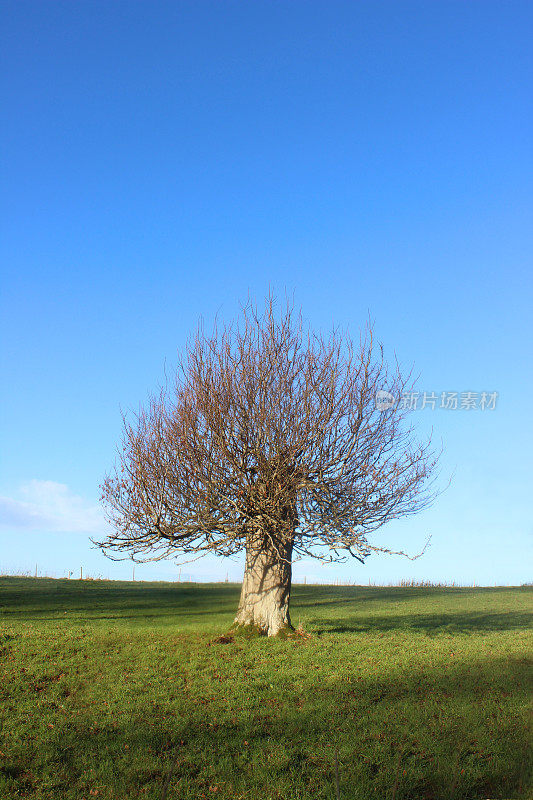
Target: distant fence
<point x="81" y="574"/>
<point x="184" y="577"/>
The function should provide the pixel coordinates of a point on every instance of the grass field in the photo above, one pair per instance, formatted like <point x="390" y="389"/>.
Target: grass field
<point x="120" y="690"/>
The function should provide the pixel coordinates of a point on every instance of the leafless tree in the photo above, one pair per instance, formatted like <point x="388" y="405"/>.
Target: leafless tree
<point x="268" y="441"/>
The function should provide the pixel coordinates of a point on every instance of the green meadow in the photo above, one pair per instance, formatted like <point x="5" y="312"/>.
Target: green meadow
<point x="116" y="690"/>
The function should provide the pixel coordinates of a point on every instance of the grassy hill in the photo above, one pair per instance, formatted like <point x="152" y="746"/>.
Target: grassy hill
<point x="116" y="690"/>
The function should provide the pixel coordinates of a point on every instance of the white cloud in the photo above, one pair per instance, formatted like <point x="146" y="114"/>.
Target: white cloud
<point x="50" y="506"/>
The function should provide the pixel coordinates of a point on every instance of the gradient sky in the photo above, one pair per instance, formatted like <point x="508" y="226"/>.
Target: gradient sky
<point x="161" y="160"/>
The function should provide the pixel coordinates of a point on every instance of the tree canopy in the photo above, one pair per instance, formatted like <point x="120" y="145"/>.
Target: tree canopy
<point x="270" y="427"/>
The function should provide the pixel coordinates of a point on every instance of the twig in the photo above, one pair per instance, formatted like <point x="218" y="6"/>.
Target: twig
<point x="337" y="782"/>
<point x="169" y="778"/>
<point x="397" y="776"/>
<point x="455" y="777"/>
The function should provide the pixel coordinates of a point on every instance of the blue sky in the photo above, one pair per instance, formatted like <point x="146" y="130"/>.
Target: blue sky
<point x="161" y="160"/>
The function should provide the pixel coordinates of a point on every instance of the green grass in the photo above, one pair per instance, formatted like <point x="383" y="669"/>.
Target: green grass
<point x="120" y="690"/>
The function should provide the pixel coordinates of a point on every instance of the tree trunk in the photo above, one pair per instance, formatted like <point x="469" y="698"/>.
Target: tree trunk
<point x="266" y="586"/>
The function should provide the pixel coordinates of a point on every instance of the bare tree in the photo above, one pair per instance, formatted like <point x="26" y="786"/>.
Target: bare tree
<point x="269" y="440"/>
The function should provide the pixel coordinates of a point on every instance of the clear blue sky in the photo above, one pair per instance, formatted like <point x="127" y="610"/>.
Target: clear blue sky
<point x="160" y="160"/>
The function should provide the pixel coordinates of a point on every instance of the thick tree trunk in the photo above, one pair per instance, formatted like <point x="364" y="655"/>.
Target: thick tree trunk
<point x="266" y="586"/>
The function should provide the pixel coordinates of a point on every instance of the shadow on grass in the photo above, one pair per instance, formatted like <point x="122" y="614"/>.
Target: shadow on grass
<point x="99" y="601"/>
<point x="436" y="737"/>
<point x="459" y="622"/>
<point x="320" y="596"/>
<point x="29" y="598"/>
